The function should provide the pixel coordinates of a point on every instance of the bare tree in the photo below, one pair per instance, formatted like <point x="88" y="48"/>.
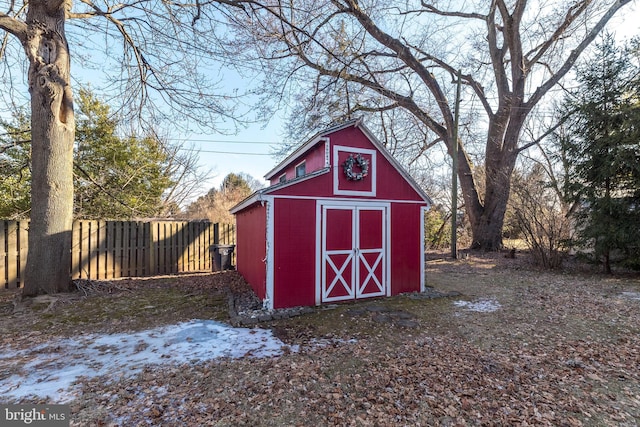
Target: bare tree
<point x="183" y="167"/>
<point x="161" y="49"/>
<point x="215" y="205"/>
<point x="542" y="215"/>
<point x="380" y="56"/>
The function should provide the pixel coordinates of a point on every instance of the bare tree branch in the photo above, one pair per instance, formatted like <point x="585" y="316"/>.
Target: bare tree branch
<point x="13" y="26"/>
<point x="437" y="11"/>
<point x="572" y="14"/>
<point x="561" y="121"/>
<point x="575" y="53"/>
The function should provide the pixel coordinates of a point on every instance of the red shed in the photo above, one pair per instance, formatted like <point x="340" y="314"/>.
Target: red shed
<point x="341" y="220"/>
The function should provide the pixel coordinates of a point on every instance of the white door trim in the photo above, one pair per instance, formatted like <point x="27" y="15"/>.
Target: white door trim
<point x="269" y="258"/>
<point x="355" y="256"/>
<point x="423" y="267"/>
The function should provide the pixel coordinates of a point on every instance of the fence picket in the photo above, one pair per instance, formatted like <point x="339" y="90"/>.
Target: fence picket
<point x="76" y="252"/>
<point x="109" y="249"/>
<point x="158" y="252"/>
<point x="12" y="254"/>
<point x="191" y="226"/>
<point x="168" y="236"/>
<point x="23" y="246"/>
<point x="152" y="250"/>
<point x="126" y="250"/>
<point x="101" y="250"/>
<point x="85" y="244"/>
<point x="178" y="247"/>
<point x="4" y="256"/>
<point x="141" y="234"/>
<point x="167" y="239"/>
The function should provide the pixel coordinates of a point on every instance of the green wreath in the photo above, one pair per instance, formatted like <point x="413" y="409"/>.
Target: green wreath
<point x="361" y="162"/>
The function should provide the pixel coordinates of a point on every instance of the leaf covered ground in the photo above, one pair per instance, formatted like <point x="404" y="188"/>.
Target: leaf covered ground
<point x="519" y="346"/>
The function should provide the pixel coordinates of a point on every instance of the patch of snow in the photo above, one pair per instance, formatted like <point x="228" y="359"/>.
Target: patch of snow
<point x="51" y="370"/>
<point x="328" y="342"/>
<point x="481" y="305"/>
<point x="631" y="295"/>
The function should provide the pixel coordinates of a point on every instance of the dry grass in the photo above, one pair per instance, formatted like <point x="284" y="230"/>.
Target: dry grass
<point x="561" y="349"/>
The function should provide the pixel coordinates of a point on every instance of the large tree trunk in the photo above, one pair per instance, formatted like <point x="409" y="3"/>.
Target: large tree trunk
<point x="486" y="224"/>
<point x="53" y="133"/>
<point x="487" y="215"/>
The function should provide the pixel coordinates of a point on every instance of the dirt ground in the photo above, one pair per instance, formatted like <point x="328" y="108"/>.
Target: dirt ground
<point x="518" y="346"/>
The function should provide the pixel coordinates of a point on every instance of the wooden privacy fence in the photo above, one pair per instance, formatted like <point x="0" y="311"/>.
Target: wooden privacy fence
<point x="103" y="250"/>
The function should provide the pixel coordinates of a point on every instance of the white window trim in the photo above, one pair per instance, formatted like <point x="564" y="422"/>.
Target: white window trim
<point x="304" y="162"/>
<point x="337" y="170"/>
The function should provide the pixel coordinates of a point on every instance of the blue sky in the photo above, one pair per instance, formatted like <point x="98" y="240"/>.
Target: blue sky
<point x="249" y="151"/>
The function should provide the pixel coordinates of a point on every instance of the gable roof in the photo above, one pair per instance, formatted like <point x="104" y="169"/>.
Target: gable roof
<point x="309" y="144"/>
<point x="257" y="196"/>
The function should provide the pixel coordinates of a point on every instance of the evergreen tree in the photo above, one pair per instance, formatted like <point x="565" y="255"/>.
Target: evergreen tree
<point x="237" y="182"/>
<point x="603" y="154"/>
<point x="15" y="173"/>
<point x="215" y="205"/>
<point x="114" y="177"/>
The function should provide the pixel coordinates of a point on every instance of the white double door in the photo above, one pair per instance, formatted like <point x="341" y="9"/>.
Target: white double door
<point x="354" y="257"/>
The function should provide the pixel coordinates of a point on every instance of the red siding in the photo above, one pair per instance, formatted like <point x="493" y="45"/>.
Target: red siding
<point x="294" y="252"/>
<point x="314" y="160"/>
<point x="251" y="229"/>
<point x="405" y="248"/>
<point x="352" y="137"/>
<point x="319" y="186"/>
<point x="391" y="185"/>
